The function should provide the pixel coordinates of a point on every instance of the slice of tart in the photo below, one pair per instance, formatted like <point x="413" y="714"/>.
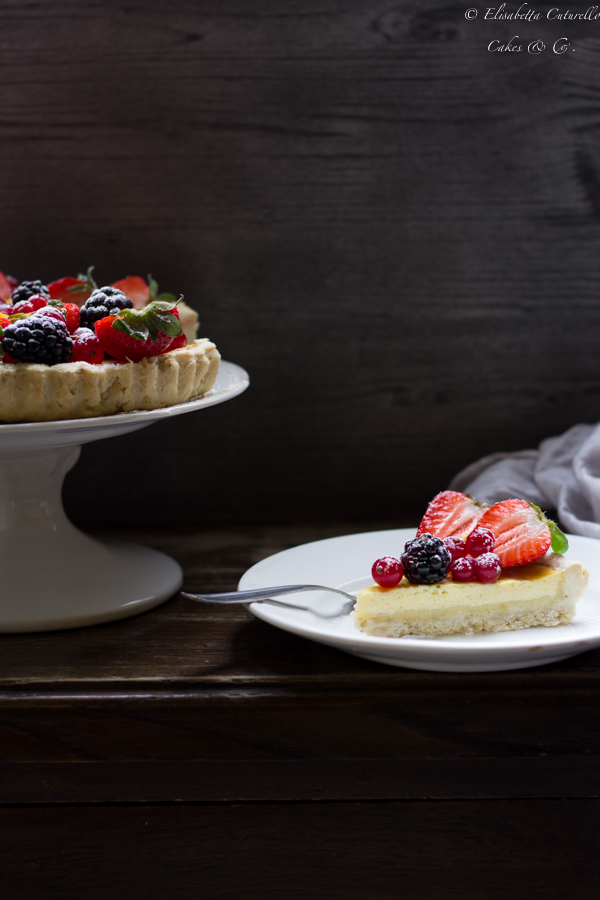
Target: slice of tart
<point x="541" y="593"/>
<point x="473" y="568"/>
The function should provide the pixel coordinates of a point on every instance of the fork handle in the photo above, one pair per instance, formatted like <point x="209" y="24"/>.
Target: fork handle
<point x="262" y="593"/>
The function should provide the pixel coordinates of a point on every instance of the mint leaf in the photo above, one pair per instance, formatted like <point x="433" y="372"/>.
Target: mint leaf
<point x="145" y="323"/>
<point x="559" y="544"/>
<point x="125" y="328"/>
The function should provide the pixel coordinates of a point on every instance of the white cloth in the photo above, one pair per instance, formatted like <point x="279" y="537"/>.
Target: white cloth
<point x="562" y="474"/>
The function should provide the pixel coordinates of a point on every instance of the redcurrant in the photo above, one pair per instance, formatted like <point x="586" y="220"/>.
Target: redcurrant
<point x="487" y="567"/>
<point x="481" y="540"/>
<point x="86" y="347"/>
<point x="456" y="547"/>
<point x="463" y="568"/>
<point x="387" y="571"/>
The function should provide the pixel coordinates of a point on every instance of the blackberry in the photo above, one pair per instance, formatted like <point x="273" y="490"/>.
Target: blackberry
<point x="425" y="559"/>
<point x="29" y="289"/>
<point x="38" y="339"/>
<point x="104" y="301"/>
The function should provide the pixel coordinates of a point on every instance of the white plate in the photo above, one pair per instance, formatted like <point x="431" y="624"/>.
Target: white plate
<point x="346" y="562"/>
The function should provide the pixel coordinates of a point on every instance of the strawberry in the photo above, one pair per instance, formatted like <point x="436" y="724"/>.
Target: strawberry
<point x="522" y="531"/>
<point x="73" y="290"/>
<point x="135" y="288"/>
<point x="451" y="514"/>
<point x="136" y="334"/>
<point x="70" y="311"/>
<point x="179" y="341"/>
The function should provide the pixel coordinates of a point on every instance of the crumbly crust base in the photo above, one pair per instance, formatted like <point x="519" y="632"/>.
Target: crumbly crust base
<point x="380" y="615"/>
<point x="30" y="392"/>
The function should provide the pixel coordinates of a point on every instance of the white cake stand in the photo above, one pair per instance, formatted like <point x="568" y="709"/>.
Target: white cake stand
<point x="51" y="574"/>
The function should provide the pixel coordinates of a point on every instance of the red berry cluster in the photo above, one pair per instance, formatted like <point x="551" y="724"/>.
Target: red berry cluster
<point x="472" y="558"/>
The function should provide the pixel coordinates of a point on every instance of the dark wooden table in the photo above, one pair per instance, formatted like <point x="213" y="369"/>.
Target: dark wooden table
<point x="198" y="752"/>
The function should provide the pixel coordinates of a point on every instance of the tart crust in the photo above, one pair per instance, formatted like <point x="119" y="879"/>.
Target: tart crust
<point x="31" y="392"/>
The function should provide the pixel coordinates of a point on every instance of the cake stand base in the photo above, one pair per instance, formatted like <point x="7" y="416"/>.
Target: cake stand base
<point x="52" y="575"/>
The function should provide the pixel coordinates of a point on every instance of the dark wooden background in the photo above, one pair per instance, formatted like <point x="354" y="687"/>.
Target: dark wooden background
<point x="395" y="231"/>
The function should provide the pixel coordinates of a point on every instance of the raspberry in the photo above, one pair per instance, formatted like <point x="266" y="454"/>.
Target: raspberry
<point x="29" y="289"/>
<point x="481" y="540"/>
<point x="69" y="312"/>
<point x="456" y="547"/>
<point x="105" y="301"/>
<point x="487" y="567"/>
<point x="32" y="304"/>
<point x="38" y="339"/>
<point x="387" y="571"/>
<point x="86" y="347"/>
<point x="463" y="568"/>
<point x="425" y="559"/>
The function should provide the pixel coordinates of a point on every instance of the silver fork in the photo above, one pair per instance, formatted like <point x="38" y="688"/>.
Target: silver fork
<point x="329" y="612"/>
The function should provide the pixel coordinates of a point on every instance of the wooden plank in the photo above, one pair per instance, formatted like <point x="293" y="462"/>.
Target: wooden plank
<point x="547" y="850"/>
<point x="299" y="780"/>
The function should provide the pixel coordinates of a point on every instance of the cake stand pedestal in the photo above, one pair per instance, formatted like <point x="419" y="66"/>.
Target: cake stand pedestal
<point x="52" y="575"/>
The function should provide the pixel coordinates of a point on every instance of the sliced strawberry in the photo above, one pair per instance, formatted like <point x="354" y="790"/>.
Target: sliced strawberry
<point x="135" y="288"/>
<point x="451" y="514"/>
<point x="522" y="532"/>
<point x="73" y="290"/>
<point x="137" y="334"/>
<point x="68" y="289"/>
<point x="6" y="287"/>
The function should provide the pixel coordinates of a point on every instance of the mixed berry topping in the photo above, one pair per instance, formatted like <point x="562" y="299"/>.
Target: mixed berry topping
<point x="469" y="541"/>
<point x="426" y="559"/>
<point x="387" y="571"/>
<point x="38" y="339"/>
<point x="106" y="301"/>
<point x="128" y="320"/>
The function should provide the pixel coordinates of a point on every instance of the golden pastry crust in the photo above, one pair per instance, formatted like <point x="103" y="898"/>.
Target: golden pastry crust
<point x="31" y="392"/>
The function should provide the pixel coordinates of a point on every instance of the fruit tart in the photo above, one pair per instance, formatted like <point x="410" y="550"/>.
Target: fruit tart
<point x="73" y="350"/>
<point x="473" y="568"/>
